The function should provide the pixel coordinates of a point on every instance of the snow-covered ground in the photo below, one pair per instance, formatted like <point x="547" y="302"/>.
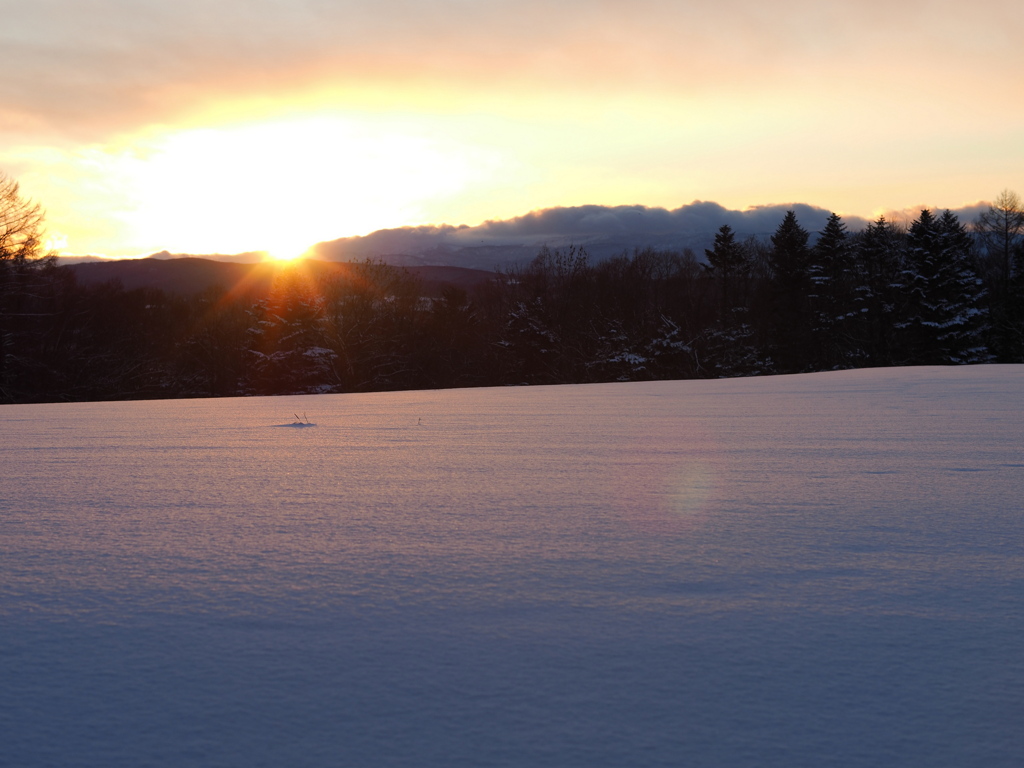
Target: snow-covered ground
<point x="817" y="570"/>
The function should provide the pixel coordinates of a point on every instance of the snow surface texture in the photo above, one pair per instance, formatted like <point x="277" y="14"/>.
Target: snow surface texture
<point x="817" y="570"/>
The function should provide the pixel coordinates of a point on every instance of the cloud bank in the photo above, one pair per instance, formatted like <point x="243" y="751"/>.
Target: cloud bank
<point x="603" y="231"/>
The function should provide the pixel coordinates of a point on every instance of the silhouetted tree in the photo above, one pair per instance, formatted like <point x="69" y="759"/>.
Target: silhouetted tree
<point x="373" y="317"/>
<point x="27" y="283"/>
<point x="289" y="344"/>
<point x="1000" y="234"/>
<point x="789" y="261"/>
<point x="832" y="282"/>
<point x="211" y="359"/>
<point x="945" y="316"/>
<point x="1011" y="329"/>
<point x="878" y="294"/>
<point x="729" y="264"/>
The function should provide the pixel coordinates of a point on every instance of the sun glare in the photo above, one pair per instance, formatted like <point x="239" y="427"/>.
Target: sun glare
<point x="284" y="254"/>
<point x="281" y="187"/>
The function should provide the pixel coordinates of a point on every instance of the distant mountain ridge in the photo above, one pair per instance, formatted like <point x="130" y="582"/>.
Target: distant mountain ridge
<point x="191" y="275"/>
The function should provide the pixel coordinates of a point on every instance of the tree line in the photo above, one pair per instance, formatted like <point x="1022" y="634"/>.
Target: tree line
<point x="936" y="292"/>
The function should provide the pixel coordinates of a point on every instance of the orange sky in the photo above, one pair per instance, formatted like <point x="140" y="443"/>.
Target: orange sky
<point x="268" y="125"/>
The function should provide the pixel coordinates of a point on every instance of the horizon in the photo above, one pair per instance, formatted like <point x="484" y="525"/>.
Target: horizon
<point x="559" y="226"/>
<point x="265" y="127"/>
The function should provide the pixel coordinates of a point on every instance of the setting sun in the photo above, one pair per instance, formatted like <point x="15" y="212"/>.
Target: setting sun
<point x="283" y="256"/>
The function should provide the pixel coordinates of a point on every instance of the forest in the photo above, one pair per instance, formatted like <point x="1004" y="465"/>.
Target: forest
<point x="937" y="292"/>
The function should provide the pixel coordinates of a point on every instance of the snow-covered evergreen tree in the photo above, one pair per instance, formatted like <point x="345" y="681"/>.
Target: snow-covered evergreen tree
<point x="945" y="316"/>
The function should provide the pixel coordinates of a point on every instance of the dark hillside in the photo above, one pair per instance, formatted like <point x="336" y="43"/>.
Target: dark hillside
<point x="190" y="276"/>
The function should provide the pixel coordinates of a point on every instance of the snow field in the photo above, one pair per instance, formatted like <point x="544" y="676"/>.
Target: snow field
<point x="824" y="569"/>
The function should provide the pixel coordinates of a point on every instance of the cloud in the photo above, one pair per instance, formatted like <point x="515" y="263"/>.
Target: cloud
<point x="117" y="64"/>
<point x="643" y="223"/>
<point x="603" y="231"/>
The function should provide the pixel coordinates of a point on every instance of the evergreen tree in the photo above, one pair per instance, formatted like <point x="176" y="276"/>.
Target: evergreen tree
<point x="918" y="276"/>
<point x="831" y="299"/>
<point x="964" y="316"/>
<point x="730" y="345"/>
<point x="945" y="316"/>
<point x="878" y="292"/>
<point x="789" y="261"/>
<point x="730" y="264"/>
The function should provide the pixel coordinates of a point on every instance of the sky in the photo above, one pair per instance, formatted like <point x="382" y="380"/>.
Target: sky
<point x="275" y="124"/>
